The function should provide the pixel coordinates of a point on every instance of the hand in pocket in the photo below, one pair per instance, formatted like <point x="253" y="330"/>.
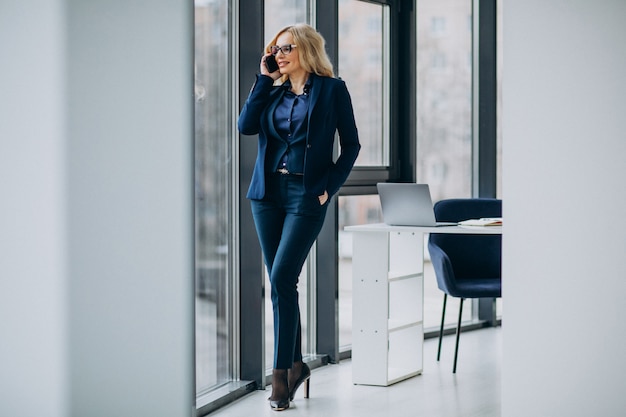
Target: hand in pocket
<point x="323" y="198"/>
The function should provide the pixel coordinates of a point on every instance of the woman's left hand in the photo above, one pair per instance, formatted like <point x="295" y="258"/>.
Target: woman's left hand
<point x="323" y="198"/>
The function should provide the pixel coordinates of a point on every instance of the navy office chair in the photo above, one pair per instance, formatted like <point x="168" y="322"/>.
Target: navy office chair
<point x="466" y="266"/>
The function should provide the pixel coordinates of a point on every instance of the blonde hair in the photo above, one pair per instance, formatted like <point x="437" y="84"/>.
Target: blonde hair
<point x="311" y="48"/>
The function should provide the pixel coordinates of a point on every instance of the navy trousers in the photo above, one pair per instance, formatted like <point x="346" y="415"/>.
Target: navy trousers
<point x="287" y="223"/>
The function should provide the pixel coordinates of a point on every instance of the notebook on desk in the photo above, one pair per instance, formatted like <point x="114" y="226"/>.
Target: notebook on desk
<point x="407" y="204"/>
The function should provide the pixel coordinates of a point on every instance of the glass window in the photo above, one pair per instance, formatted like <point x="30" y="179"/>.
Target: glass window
<point x="213" y="191"/>
<point x="499" y="55"/>
<point x="364" y="66"/>
<point x="437" y="25"/>
<point x="444" y="119"/>
<point x="281" y="13"/>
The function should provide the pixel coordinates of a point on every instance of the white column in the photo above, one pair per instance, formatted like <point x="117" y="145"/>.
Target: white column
<point x="564" y="242"/>
<point x="96" y="232"/>
<point x="33" y="267"/>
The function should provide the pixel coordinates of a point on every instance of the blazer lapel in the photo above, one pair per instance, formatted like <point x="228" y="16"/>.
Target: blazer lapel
<point x="316" y="87"/>
<point x="269" y="112"/>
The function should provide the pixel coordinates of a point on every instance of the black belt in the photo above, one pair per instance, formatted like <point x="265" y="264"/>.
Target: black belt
<point x="285" y="171"/>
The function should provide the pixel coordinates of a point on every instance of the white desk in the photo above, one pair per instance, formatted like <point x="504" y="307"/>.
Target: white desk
<point x="388" y="298"/>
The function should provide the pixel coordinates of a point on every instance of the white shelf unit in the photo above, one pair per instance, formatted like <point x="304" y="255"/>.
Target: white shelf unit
<point x="387" y="309"/>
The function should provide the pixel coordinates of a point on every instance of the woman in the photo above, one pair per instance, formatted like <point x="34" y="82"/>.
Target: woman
<point x="294" y="177"/>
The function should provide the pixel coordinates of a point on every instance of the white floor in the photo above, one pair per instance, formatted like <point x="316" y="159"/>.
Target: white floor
<point x="473" y="391"/>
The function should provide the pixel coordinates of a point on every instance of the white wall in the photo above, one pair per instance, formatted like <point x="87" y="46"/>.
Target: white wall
<point x="564" y="247"/>
<point x="96" y="296"/>
<point x="33" y="278"/>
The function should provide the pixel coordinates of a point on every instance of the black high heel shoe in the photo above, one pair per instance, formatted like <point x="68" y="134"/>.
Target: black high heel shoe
<point x="279" y="400"/>
<point x="305" y="376"/>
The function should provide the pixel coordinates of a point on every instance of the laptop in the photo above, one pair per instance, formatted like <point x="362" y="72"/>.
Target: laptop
<point x="407" y="204"/>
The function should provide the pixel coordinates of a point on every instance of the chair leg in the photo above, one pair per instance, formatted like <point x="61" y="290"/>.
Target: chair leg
<point x="443" y="317"/>
<point x="458" y="333"/>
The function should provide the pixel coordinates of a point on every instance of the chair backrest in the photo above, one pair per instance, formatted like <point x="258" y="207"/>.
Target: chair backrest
<point x="471" y="256"/>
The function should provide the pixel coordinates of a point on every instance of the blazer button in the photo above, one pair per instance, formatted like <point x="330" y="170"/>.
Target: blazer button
<point x="308" y="145"/>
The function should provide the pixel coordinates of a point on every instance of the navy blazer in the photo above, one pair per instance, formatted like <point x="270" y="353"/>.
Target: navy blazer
<point x="330" y="110"/>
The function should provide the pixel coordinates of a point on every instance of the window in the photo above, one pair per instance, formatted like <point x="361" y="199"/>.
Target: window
<point x="444" y="113"/>
<point x="215" y="327"/>
<point x="281" y="13"/>
<point x="437" y="25"/>
<point x="438" y="61"/>
<point x="364" y="65"/>
<point x="444" y="119"/>
<point x="499" y="129"/>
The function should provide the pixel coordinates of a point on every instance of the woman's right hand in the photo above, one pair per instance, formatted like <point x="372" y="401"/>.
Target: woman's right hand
<point x="264" y="71"/>
<point x="323" y="198"/>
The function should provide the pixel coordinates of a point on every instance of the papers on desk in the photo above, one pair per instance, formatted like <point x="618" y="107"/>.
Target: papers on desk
<point x="483" y="221"/>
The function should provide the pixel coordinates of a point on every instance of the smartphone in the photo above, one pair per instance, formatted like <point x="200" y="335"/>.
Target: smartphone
<point x="270" y="63"/>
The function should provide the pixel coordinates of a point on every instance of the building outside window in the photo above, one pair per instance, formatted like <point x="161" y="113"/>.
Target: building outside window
<point x="215" y="326"/>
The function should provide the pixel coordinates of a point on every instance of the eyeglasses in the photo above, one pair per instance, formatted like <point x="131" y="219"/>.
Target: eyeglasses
<point x="285" y="49"/>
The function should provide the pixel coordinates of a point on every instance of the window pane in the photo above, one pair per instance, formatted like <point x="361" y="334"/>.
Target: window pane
<point x="499" y="54"/>
<point x="213" y="153"/>
<point x="444" y="97"/>
<point x="281" y="13"/>
<point x="363" y="65"/>
<point x="444" y="120"/>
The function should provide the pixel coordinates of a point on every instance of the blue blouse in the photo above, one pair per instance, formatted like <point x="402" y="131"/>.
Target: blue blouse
<point x="290" y="121"/>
